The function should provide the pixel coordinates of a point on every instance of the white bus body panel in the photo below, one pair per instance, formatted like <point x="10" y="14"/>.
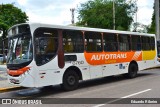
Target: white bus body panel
<point x="51" y="74"/>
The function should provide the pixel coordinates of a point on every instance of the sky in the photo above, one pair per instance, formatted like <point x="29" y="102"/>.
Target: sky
<point x="58" y="11"/>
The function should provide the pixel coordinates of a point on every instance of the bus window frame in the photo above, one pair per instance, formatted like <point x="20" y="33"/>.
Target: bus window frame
<point x="116" y="42"/>
<point x="152" y="43"/>
<point x="144" y="44"/>
<point x="140" y="43"/>
<point x="129" y="42"/>
<point x="70" y="30"/>
<point x="34" y="39"/>
<point x="86" y="42"/>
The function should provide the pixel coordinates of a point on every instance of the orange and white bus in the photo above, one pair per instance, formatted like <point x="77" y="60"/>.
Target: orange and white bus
<point x="43" y="55"/>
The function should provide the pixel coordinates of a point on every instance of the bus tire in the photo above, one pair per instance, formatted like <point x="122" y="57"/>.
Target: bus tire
<point x="132" y="71"/>
<point x="70" y="80"/>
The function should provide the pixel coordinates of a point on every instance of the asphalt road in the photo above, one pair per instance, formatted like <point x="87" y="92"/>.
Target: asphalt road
<point x="98" y="92"/>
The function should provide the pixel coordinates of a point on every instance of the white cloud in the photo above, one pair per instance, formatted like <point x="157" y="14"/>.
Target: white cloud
<point x="7" y="1"/>
<point x="144" y="15"/>
<point x="22" y="2"/>
<point x="52" y="12"/>
<point x="145" y="11"/>
<point x="58" y="11"/>
<point x="144" y="3"/>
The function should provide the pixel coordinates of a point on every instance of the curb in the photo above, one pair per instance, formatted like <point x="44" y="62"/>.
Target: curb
<point x="10" y="89"/>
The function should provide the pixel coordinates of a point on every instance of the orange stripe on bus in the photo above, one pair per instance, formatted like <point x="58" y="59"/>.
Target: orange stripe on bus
<point x="100" y="58"/>
<point x="18" y="72"/>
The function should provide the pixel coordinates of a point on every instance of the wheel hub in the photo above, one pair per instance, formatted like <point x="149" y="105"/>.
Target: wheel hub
<point x="71" y="80"/>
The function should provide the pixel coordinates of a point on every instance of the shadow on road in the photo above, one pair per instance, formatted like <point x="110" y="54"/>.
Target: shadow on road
<point x="54" y="90"/>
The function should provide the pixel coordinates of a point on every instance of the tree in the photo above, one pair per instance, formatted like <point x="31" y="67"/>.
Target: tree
<point x="139" y="27"/>
<point x="9" y="16"/>
<point x="152" y="28"/>
<point x="99" y="14"/>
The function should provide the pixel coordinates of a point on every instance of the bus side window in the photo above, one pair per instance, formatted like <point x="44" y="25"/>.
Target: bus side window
<point x="46" y="45"/>
<point x="50" y="48"/>
<point x="110" y="42"/>
<point x="146" y="43"/>
<point x="68" y="47"/>
<point x="73" y="41"/>
<point x="124" y="42"/>
<point x="93" y="41"/>
<point x="152" y="43"/>
<point x="136" y="43"/>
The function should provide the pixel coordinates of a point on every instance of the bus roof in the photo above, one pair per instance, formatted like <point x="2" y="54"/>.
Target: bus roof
<point x="37" y="25"/>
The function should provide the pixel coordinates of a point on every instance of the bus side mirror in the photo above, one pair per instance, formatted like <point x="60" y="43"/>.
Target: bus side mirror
<point x="61" y="63"/>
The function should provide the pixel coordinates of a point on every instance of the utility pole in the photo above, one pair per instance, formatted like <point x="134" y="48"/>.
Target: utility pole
<point x="114" y="27"/>
<point x="72" y="12"/>
<point x="157" y="19"/>
<point x="136" y="15"/>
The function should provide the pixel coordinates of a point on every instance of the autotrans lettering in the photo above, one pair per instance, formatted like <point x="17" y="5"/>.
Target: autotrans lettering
<point x="112" y="57"/>
<point x="108" y="56"/>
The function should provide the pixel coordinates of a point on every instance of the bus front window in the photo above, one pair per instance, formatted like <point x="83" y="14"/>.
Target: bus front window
<point x="20" y="51"/>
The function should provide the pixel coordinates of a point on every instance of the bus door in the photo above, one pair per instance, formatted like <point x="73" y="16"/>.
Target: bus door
<point x="46" y="47"/>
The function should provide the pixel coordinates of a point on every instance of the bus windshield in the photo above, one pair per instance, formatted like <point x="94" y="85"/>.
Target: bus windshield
<point x="20" y="50"/>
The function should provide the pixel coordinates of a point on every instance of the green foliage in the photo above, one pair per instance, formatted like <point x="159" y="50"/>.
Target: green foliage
<point x="9" y="16"/>
<point x="139" y="27"/>
<point x="152" y="28"/>
<point x="99" y="14"/>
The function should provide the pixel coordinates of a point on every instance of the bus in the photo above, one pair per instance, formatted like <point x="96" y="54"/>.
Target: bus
<point x="44" y="55"/>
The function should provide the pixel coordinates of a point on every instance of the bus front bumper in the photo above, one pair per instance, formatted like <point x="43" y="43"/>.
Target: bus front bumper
<point x="22" y="80"/>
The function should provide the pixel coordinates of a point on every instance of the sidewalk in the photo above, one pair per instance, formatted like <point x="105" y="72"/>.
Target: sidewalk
<point x="4" y="85"/>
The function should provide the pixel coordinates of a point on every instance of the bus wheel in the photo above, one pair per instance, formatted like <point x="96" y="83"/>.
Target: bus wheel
<point x="70" y="80"/>
<point x="132" y="71"/>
